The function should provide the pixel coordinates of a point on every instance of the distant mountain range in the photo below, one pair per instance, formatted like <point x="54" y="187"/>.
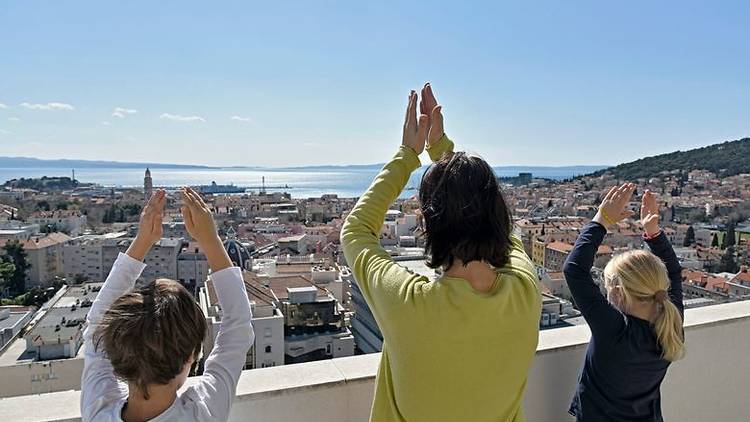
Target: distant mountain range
<point x="27" y="162"/>
<point x="20" y="162"/>
<point x="725" y="159"/>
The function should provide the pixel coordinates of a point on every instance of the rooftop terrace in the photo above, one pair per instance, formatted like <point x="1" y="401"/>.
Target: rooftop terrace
<point x="710" y="384"/>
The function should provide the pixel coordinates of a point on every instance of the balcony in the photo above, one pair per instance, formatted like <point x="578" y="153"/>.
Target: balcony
<point x="710" y="384"/>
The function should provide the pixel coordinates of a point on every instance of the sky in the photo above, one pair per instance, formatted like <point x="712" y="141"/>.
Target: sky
<point x="326" y="82"/>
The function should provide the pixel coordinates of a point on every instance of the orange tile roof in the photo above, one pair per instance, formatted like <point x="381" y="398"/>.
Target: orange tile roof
<point x="604" y="249"/>
<point x="46" y="241"/>
<point x="560" y="246"/>
<point x="556" y="275"/>
<point x="743" y="276"/>
<point x="256" y="290"/>
<point x="705" y="280"/>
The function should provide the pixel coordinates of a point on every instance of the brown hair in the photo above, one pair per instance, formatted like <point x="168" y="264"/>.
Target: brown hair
<point x="465" y="214"/>
<point x="149" y="334"/>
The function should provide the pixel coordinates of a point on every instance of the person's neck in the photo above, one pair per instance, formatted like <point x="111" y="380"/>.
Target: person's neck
<point x="139" y="409"/>
<point x="480" y="275"/>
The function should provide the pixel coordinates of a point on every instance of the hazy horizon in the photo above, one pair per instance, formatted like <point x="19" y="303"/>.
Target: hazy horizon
<point x="55" y="163"/>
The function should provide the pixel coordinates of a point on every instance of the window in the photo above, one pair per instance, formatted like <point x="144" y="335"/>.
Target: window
<point x="328" y="349"/>
<point x="268" y="332"/>
<point x="268" y="349"/>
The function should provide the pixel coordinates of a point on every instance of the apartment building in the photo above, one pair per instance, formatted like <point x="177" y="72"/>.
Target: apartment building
<point x="45" y="257"/>
<point x="71" y="222"/>
<point x="90" y="258"/>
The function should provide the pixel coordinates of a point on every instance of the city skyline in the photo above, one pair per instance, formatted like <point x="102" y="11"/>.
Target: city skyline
<point x="279" y="86"/>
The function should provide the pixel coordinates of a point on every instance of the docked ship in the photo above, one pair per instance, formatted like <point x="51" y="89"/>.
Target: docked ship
<point x="213" y="188"/>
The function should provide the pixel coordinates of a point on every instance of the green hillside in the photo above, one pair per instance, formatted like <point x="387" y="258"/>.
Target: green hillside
<point x="726" y="159"/>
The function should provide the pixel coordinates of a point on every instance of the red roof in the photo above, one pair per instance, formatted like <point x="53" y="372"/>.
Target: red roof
<point x="742" y="276"/>
<point x="51" y="239"/>
<point x="604" y="250"/>
<point x="560" y="246"/>
<point x="556" y="275"/>
<point x="705" y="280"/>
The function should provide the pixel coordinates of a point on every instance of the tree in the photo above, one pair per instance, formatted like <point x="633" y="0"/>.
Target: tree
<point x="109" y="215"/>
<point x="697" y="215"/>
<point x="728" y="263"/>
<point x="16" y="254"/>
<point x="132" y="209"/>
<point x="689" y="236"/>
<point x="43" y="205"/>
<point x="730" y="238"/>
<point x="715" y="241"/>
<point x="6" y="272"/>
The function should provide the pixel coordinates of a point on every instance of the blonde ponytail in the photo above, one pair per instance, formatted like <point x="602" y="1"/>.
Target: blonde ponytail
<point x="668" y="327"/>
<point x="643" y="277"/>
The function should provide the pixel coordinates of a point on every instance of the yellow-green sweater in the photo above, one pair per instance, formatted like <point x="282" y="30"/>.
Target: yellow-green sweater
<point x="450" y="353"/>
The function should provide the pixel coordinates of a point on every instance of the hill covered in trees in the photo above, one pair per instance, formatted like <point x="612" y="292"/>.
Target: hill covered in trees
<point x="43" y="183"/>
<point x="726" y="159"/>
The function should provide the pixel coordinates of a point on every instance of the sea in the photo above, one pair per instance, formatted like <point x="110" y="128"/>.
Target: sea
<point x="300" y="183"/>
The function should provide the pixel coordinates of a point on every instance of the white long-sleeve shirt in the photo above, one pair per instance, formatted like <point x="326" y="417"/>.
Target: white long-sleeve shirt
<point x="210" y="398"/>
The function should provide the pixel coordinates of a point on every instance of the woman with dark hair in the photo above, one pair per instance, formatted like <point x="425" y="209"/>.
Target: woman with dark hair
<point x="458" y="348"/>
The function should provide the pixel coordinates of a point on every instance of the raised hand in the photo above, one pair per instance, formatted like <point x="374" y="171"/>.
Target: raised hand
<point x="200" y="224"/>
<point x="650" y="213"/>
<point x="149" y="226"/>
<point x="613" y="208"/>
<point x="429" y="107"/>
<point x="415" y="129"/>
<point x="198" y="219"/>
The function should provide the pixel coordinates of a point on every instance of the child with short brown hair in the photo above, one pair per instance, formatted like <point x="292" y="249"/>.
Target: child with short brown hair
<point x="140" y="344"/>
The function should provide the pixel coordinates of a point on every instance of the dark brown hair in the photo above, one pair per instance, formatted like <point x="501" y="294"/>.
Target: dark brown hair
<point x="465" y="214"/>
<point x="149" y="334"/>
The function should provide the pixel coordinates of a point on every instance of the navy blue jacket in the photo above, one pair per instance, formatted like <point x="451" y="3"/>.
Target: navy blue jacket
<point x="623" y="369"/>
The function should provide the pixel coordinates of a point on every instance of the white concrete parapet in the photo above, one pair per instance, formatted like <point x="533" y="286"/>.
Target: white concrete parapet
<point x="710" y="384"/>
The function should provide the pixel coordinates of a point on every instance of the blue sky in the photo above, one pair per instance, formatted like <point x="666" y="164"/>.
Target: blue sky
<point x="323" y="82"/>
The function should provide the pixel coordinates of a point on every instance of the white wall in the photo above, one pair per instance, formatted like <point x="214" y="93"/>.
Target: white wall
<point x="710" y="384"/>
<point x="269" y="331"/>
<point x="40" y="377"/>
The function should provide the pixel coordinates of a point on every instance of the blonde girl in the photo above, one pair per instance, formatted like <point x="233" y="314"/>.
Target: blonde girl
<point x="636" y="329"/>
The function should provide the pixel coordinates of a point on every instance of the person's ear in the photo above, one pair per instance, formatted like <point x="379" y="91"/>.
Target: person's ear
<point x="615" y="293"/>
